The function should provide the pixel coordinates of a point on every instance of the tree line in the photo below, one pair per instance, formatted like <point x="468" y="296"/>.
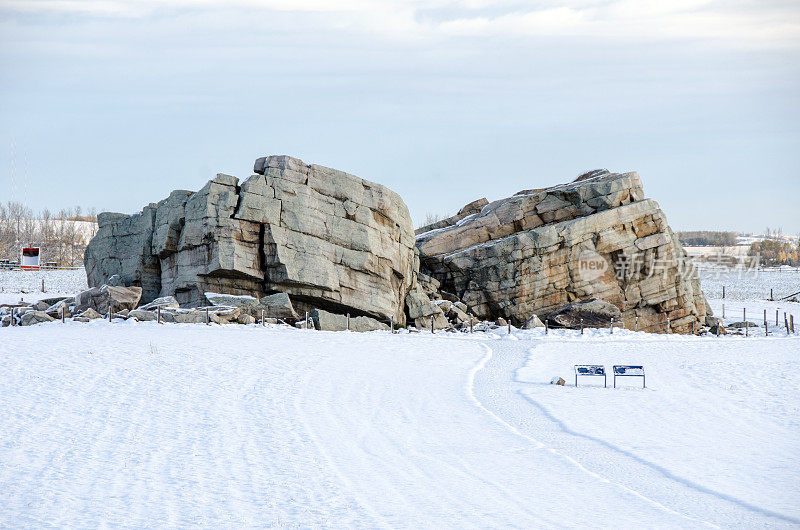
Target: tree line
<point x="776" y="252"/>
<point x="707" y="238"/>
<point x="62" y="236"/>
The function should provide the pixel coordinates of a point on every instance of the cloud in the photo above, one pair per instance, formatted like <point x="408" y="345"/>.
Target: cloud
<point x="755" y="23"/>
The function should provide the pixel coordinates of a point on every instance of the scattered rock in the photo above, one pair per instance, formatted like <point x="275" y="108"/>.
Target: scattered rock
<point x="711" y="321"/>
<point x="558" y="381"/>
<point x="500" y="322"/>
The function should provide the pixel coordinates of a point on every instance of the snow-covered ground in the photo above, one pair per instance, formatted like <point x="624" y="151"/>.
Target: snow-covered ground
<point x="140" y="424"/>
<point x="747" y="285"/>
<point x="27" y="285"/>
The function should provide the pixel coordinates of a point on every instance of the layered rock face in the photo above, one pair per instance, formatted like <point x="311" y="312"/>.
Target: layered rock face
<point x="534" y="252"/>
<point x="327" y="238"/>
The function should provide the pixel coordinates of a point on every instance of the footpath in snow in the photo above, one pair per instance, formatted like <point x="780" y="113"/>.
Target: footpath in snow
<point x="140" y="424"/>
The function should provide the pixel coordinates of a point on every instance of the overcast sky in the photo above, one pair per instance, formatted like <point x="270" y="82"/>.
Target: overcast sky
<point x="115" y="103"/>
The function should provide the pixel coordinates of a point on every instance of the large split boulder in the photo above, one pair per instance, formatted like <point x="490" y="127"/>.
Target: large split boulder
<point x="541" y="249"/>
<point x="326" y="238"/>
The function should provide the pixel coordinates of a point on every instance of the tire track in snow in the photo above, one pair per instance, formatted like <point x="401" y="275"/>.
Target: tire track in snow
<point x="540" y="445"/>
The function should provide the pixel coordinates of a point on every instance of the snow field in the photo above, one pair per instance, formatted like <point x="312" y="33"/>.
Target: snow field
<point x="719" y="417"/>
<point x="27" y="285"/>
<point x="140" y="424"/>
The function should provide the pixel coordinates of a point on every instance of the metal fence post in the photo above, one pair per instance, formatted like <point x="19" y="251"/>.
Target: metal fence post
<point x="391" y="324"/>
<point x="546" y="326"/>
<point x="432" y="331"/>
<point x="612" y="326"/>
<point x="744" y="319"/>
<point x="158" y="314"/>
<point x="348" y="321"/>
<point x="576" y="377"/>
<point x="636" y="324"/>
<point x="42" y="284"/>
<point x="208" y="320"/>
<point x="667" y="324"/>
<point x="62" y="314"/>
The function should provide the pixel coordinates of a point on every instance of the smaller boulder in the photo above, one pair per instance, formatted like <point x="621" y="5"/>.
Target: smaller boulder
<point x="90" y="314"/>
<point x="712" y="321"/>
<point x="326" y="321"/>
<point x="165" y="302"/>
<point x="123" y="297"/>
<point x="558" y="381"/>
<point x="232" y="300"/>
<point x="246" y="319"/>
<point x="532" y="323"/>
<point x="34" y="317"/>
<point x="81" y="319"/>
<point x="719" y="329"/>
<point x="277" y="305"/>
<point x="142" y="315"/>
<point x="501" y="322"/>
<point x="742" y="325"/>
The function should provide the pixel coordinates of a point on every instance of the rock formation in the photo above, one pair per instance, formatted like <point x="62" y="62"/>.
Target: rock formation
<point x="539" y="250"/>
<point x="326" y="238"/>
<point x="296" y="237"/>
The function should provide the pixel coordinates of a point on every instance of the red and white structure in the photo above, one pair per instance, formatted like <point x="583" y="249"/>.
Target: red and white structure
<point x="29" y="260"/>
